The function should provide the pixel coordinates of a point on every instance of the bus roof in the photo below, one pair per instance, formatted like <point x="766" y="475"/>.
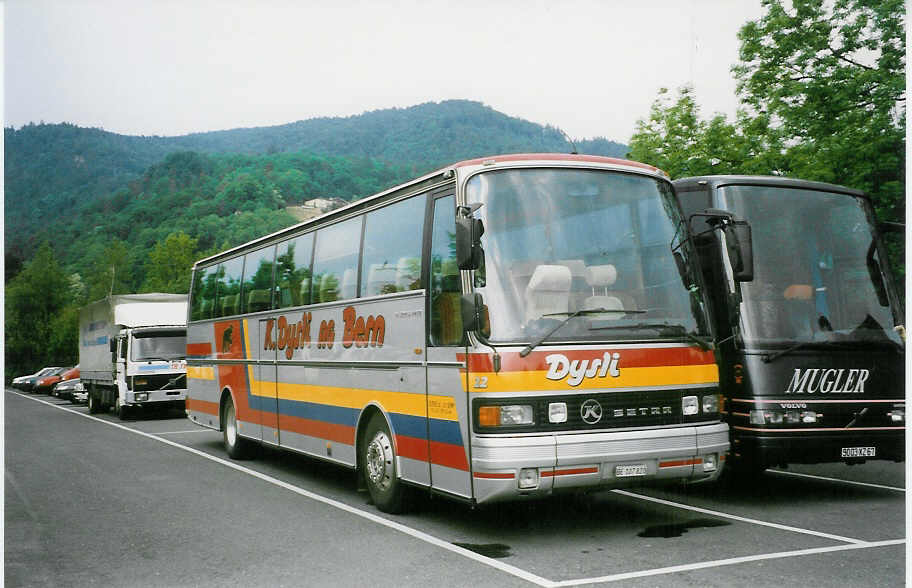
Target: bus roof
<point x="428" y="180"/>
<point x="735" y="180"/>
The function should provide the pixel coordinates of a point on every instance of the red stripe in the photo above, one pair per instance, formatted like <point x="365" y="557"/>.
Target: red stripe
<point x="493" y="476"/>
<point x="412" y="447"/>
<point x="199" y="349"/>
<point x="630" y="358"/>
<point x="449" y="455"/>
<point x="679" y="463"/>
<point x="549" y="473"/>
<point x="203" y="406"/>
<point x="321" y="429"/>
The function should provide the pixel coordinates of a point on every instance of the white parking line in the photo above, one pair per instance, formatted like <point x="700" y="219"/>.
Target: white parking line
<point x="506" y="568"/>
<point x="724" y="562"/>
<point x="512" y="570"/>
<point x="725" y="515"/>
<point x="868" y="484"/>
<point x="200" y="430"/>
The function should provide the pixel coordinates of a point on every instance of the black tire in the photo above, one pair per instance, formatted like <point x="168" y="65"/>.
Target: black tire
<point x="236" y="446"/>
<point x="378" y="461"/>
<point x="94" y="404"/>
<point x="123" y="412"/>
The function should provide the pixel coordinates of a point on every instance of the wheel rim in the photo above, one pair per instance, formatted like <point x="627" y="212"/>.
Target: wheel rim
<point x="230" y="425"/>
<point x="380" y="461"/>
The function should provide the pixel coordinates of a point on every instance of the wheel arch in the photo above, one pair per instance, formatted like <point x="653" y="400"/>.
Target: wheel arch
<point x="225" y="394"/>
<point x="367" y="413"/>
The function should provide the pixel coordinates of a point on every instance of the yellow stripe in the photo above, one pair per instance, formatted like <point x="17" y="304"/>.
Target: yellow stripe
<point x="629" y="378"/>
<point x="408" y="403"/>
<point x="200" y="373"/>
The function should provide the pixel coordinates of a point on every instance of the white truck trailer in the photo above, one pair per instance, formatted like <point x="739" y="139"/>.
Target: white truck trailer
<point x="133" y="352"/>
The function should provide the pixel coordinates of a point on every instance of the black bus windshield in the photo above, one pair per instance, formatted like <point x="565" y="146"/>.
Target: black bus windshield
<point x="817" y="271"/>
<point x="595" y="246"/>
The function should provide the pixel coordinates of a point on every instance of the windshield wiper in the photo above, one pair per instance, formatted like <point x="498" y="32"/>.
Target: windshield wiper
<point x="583" y="311"/>
<point x="689" y="335"/>
<point x="769" y="358"/>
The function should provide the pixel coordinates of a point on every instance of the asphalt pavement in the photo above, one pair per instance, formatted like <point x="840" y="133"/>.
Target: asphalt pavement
<point x="154" y="501"/>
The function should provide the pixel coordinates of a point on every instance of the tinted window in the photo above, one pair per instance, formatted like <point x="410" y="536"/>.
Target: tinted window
<point x="336" y="261"/>
<point x="257" y="291"/>
<point x="392" y="248"/>
<point x="293" y="282"/>
<point x="203" y="302"/>
<point x="229" y="287"/>
<point x="446" y="320"/>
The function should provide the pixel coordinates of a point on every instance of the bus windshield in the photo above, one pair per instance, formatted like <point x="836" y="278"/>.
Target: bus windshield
<point x="817" y="271"/>
<point x="592" y="246"/>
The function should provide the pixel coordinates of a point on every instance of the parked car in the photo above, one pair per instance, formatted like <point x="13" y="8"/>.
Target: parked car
<point x="70" y="374"/>
<point x="45" y="384"/>
<point x="26" y="383"/>
<point x="69" y="390"/>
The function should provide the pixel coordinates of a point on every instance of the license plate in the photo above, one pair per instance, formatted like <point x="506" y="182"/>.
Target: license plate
<point x="627" y="471"/>
<point x="859" y="451"/>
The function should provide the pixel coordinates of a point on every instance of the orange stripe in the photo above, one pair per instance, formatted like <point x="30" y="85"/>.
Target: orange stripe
<point x="679" y="463"/>
<point x="203" y="406"/>
<point x="493" y="476"/>
<point x="547" y="474"/>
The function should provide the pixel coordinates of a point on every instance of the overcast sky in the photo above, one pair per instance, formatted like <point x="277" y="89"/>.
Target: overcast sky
<point x="164" y="67"/>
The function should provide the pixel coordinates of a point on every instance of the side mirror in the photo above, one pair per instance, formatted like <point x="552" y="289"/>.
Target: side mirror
<point x="113" y="345"/>
<point x="468" y="238"/>
<point x="740" y="250"/>
<point x="471" y="311"/>
<point x="737" y="239"/>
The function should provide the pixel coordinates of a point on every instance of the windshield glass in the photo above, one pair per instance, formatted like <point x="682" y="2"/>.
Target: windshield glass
<point x="159" y="345"/>
<point x="816" y="268"/>
<point x="558" y="241"/>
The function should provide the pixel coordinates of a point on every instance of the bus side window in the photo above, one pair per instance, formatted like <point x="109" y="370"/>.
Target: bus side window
<point x="203" y="300"/>
<point x="256" y="294"/>
<point x="336" y="261"/>
<point x="229" y="287"/>
<point x="391" y="260"/>
<point x="292" y="274"/>
<point x="446" y="320"/>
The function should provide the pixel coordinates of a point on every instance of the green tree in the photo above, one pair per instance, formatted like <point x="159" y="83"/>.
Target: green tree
<point x="111" y="271"/>
<point x="831" y="77"/>
<point x="169" y="263"/>
<point x="34" y="300"/>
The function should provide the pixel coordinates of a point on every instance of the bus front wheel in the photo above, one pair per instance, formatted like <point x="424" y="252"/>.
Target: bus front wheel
<point x="378" y="457"/>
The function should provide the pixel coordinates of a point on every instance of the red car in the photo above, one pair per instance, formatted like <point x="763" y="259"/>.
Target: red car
<point x="46" y="384"/>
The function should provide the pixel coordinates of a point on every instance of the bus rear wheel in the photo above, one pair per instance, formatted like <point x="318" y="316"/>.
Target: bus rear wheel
<point x="236" y="446"/>
<point x="378" y="458"/>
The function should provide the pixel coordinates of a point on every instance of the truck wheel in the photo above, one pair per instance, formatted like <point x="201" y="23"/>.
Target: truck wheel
<point x="94" y="405"/>
<point x="236" y="446"/>
<point x="122" y="411"/>
<point x="378" y="460"/>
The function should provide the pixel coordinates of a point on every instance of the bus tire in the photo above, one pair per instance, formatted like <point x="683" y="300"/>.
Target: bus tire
<point x="378" y="457"/>
<point x="235" y="446"/>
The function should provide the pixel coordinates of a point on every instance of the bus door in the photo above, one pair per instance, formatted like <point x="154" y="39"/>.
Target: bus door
<point x="447" y="398"/>
<point x="265" y="391"/>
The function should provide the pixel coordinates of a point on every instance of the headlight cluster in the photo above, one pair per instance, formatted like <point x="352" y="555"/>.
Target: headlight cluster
<point x="141" y="396"/>
<point x="509" y="415"/>
<point x="691" y="405"/>
<point x="897" y="415"/>
<point x="778" y="417"/>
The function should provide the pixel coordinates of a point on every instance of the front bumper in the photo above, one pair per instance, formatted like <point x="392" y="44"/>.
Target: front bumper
<point x="586" y="460"/>
<point x="771" y="449"/>
<point x="176" y="397"/>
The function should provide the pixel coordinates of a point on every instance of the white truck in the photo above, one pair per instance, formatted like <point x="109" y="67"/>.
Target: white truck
<point x="133" y="352"/>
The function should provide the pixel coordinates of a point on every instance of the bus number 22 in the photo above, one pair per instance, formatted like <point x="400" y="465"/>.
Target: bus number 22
<point x="481" y="381"/>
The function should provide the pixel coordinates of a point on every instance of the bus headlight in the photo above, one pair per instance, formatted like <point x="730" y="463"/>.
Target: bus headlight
<point x="711" y="403"/>
<point x="557" y="412"/>
<point x="777" y="417"/>
<point x="689" y="405"/>
<point x="897" y="415"/>
<point x="509" y="415"/>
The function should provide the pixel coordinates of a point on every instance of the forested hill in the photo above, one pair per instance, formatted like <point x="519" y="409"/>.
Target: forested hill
<point x="53" y="171"/>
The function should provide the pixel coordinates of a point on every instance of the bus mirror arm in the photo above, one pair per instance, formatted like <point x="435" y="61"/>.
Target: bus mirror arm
<point x="737" y="238"/>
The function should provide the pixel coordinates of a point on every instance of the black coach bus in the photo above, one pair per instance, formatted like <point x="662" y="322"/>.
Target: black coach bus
<point x="811" y="347"/>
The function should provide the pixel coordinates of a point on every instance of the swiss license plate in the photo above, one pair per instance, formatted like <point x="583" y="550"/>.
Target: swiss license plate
<point x="627" y="471"/>
<point x="859" y="451"/>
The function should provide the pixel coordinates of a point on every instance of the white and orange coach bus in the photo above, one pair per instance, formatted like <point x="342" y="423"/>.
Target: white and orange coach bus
<point x="509" y="326"/>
